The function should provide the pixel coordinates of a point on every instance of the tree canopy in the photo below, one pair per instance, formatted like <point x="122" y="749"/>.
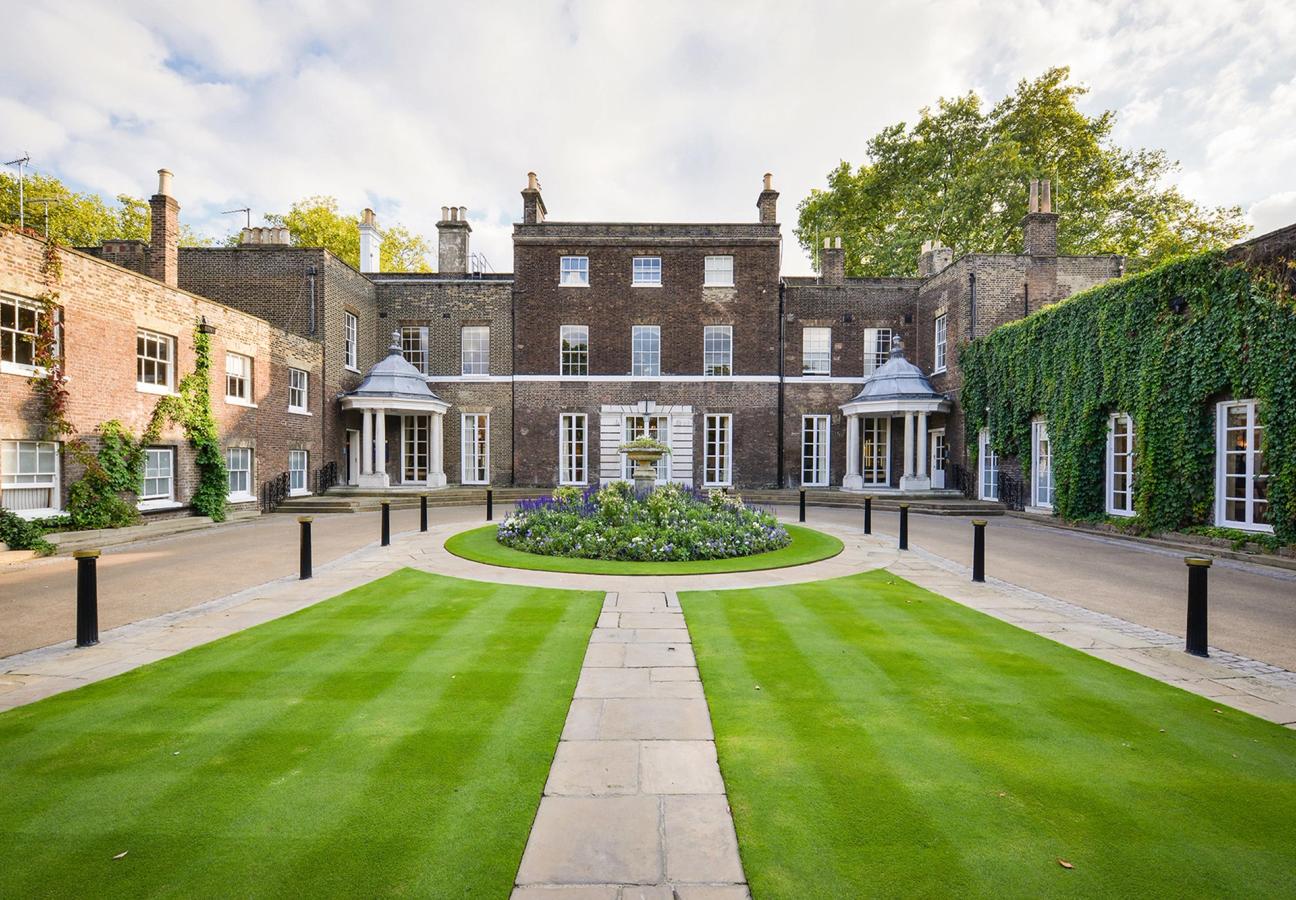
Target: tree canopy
<point x="960" y="175"/>
<point x="316" y="222"/>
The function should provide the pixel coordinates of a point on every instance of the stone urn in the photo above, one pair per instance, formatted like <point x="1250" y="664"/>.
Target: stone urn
<point x="645" y="454"/>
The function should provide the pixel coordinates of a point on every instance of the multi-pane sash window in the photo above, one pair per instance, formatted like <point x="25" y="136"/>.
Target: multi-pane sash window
<point x="939" y="365"/>
<point x="154" y="360"/>
<point x="573" y="271"/>
<point x="159" y="474"/>
<point x="29" y="476"/>
<point x="476" y="448"/>
<point x="877" y="349"/>
<point x="718" y="272"/>
<point x="814" y="451"/>
<point x="988" y="483"/>
<point x="352" y="337"/>
<point x="646" y="271"/>
<point x="298" y="462"/>
<point x="875" y="450"/>
<point x="816" y="351"/>
<point x="1042" y="468"/>
<point x="475" y="343"/>
<point x="1242" y="477"/>
<point x="1120" y="465"/>
<point x="718" y="468"/>
<point x="645" y="346"/>
<point x="414" y="346"/>
<point x="19" y="328"/>
<point x="717" y="350"/>
<point x="238" y="377"/>
<point x="298" y="392"/>
<point x="574" y="356"/>
<point x="238" y="462"/>
<point x="571" y="450"/>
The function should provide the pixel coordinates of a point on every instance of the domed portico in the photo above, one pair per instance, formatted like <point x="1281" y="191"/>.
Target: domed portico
<point x="394" y="387"/>
<point x="897" y="388"/>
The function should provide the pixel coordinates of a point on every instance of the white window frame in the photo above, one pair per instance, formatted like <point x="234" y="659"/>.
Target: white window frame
<point x="717" y="351"/>
<point x="877" y="349"/>
<point x="569" y="360"/>
<point x="875" y="432"/>
<point x="823" y="335"/>
<point x="987" y="468"/>
<point x="142" y="360"/>
<point x="819" y="442"/>
<point x="470" y="449"/>
<point x="414" y="346"/>
<point x="474" y="360"/>
<point x="242" y="379"/>
<point x="158" y="500"/>
<point x="351" y="340"/>
<point x="718" y="271"/>
<point x="573" y="271"/>
<point x="1253" y="459"/>
<point x="637" y="425"/>
<point x="1043" y="490"/>
<point x="1120" y="503"/>
<point x="304" y="457"/>
<point x="941" y="329"/>
<point x="640" y="353"/>
<point x="415" y="448"/>
<point x="11" y="335"/>
<point x="717" y="461"/>
<point x="573" y="448"/>
<point x="43" y="479"/>
<point x="250" y="493"/>
<point x="646" y="271"/>
<point x="296" y="375"/>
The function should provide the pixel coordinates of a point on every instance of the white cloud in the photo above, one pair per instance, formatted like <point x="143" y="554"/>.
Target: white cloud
<point x="627" y="112"/>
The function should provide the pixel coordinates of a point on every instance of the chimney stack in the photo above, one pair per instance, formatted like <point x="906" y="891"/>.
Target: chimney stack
<point x="1039" y="225"/>
<point x="164" y="237"/>
<point x="370" y="242"/>
<point x="767" y="202"/>
<point x="452" y="240"/>
<point x="832" y="263"/>
<point x="533" y="208"/>
<point x="933" y="257"/>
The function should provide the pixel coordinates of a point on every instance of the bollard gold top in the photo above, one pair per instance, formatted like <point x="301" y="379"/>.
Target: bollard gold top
<point x="1197" y="561"/>
<point x="385" y="502"/>
<point x="980" y="522"/>
<point x="86" y="554"/>
<point x="904" y="505"/>
<point x="305" y="520"/>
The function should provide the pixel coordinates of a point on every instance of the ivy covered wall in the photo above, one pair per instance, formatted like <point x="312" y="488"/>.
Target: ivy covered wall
<point x="1164" y="346"/>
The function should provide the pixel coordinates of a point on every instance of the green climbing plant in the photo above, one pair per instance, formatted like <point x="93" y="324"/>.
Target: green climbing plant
<point x="1163" y="346"/>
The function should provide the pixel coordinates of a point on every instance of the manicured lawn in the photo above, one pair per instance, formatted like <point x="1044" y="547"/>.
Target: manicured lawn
<point x="877" y="739"/>
<point x="807" y="546"/>
<point x="392" y="740"/>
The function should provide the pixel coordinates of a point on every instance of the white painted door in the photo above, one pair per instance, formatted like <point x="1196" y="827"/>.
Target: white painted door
<point x="655" y="427"/>
<point x="414" y="449"/>
<point x="939" y="456"/>
<point x="352" y="451"/>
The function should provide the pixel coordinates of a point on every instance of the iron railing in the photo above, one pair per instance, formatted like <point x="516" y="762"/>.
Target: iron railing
<point x="1011" y="492"/>
<point x="274" y="492"/>
<point x="962" y="481"/>
<point x="325" y="477"/>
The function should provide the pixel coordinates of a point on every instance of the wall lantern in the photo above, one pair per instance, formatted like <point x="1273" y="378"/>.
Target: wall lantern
<point x="1178" y="305"/>
<point x="204" y="328"/>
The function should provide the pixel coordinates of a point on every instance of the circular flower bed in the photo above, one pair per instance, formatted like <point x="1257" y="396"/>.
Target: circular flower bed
<point x="669" y="523"/>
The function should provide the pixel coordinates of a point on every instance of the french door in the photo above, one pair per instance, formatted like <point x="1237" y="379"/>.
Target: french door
<point x="1242" y="478"/>
<point x="939" y="457"/>
<point x="814" y="451"/>
<point x="655" y="427"/>
<point x="414" y="449"/>
<point x="875" y="449"/>
<point x="475" y="446"/>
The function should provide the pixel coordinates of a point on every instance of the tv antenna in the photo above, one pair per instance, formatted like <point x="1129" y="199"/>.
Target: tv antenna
<point x="22" y="161"/>
<point x="246" y="210"/>
<point x="47" y="201"/>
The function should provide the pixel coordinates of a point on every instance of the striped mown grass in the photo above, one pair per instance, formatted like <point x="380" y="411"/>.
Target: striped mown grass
<point x="392" y="740"/>
<point x="879" y="740"/>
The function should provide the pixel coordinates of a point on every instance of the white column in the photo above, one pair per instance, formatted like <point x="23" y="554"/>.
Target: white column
<point x="380" y="448"/>
<point x="436" y="471"/>
<point x="909" y="446"/>
<point x="852" y="445"/>
<point x="366" y="442"/>
<point x="922" y="445"/>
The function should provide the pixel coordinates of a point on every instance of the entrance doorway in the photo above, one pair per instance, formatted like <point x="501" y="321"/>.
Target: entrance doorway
<point x="414" y="449"/>
<point x="939" y="457"/>
<point x="655" y="427"/>
<point x="351" y="454"/>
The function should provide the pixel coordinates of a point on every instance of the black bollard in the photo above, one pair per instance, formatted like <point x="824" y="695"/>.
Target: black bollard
<point x="423" y="512"/>
<point x="978" y="549"/>
<point x="904" y="526"/>
<point x="868" y="515"/>
<point x="305" y="546"/>
<point x="490" y="505"/>
<point x="386" y="522"/>
<point x="87" y="625"/>
<point x="801" y="518"/>
<point x="1197" y="569"/>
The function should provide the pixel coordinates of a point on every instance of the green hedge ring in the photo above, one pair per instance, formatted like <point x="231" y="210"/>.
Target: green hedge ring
<point x="480" y="545"/>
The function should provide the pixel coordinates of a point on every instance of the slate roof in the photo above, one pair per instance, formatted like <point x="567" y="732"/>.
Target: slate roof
<point x="394" y="376"/>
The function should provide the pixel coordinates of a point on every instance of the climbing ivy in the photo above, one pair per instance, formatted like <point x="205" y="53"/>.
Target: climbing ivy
<point x="1163" y="346"/>
<point x="191" y="408"/>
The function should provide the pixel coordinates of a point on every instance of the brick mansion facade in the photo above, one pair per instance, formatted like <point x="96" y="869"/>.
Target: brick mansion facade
<point x="602" y="332"/>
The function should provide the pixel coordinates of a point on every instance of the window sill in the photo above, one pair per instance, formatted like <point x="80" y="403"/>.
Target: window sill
<point x="352" y="369"/>
<point x="561" y="284"/>
<point x="301" y="492"/>
<point x="727" y="284"/>
<point x="162" y="389"/>
<point x="646" y="284"/>
<point x="717" y="484"/>
<point x="1123" y="513"/>
<point x="298" y="411"/>
<point x="816" y="375"/>
<point x="153" y="505"/>
<point x="25" y="371"/>
<point x="240" y="498"/>
<point x="940" y="371"/>
<point x="239" y="401"/>
<point x="479" y="376"/>
<point x="36" y="513"/>
<point x="1243" y="526"/>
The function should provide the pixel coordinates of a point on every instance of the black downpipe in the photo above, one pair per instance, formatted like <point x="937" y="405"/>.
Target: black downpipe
<point x="972" y="312"/>
<point x="513" y="386"/>
<point x="778" y="440"/>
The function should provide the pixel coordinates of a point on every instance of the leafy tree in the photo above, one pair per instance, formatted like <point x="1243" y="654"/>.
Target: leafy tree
<point x="960" y="175"/>
<point x="316" y="222"/>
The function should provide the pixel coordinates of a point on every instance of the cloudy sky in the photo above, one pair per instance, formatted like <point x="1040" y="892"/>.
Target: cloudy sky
<point x="640" y="111"/>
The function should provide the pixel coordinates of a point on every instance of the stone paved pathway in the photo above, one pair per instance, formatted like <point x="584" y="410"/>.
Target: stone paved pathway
<point x="635" y="806"/>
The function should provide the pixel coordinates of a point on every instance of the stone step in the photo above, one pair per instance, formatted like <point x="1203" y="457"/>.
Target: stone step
<point x="68" y="541"/>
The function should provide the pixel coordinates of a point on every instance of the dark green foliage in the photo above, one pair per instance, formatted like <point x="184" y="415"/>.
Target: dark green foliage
<point x="18" y="533"/>
<point x="1121" y="347"/>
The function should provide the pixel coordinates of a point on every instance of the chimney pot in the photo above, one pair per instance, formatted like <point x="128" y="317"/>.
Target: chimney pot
<point x="463" y="214"/>
<point x="533" y="183"/>
<point x="370" y="242"/>
<point x="533" y="207"/>
<point x="769" y="181"/>
<point x="832" y="263"/>
<point x="164" y="182"/>
<point x="1046" y="195"/>
<point x="826" y="244"/>
<point x="445" y="213"/>
<point x="1034" y="196"/>
<point x="837" y="243"/>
